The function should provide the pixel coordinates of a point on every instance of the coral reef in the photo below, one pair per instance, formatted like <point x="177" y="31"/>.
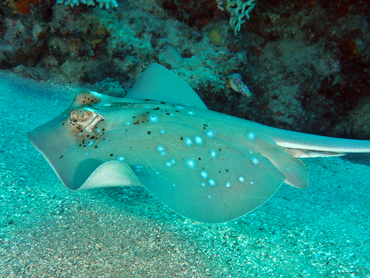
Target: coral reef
<point x="306" y="62"/>
<point x="194" y="13"/>
<point x="356" y="125"/>
<point x="239" y="11"/>
<point x="102" y="3"/>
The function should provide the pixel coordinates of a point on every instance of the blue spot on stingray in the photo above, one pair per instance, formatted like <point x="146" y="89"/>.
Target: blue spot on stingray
<point x="198" y="140"/>
<point x="153" y="119"/>
<point x="210" y="133"/>
<point x="190" y="163"/>
<point x="188" y="141"/>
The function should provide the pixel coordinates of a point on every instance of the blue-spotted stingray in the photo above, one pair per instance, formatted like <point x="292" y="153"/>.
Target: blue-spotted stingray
<point x="204" y="165"/>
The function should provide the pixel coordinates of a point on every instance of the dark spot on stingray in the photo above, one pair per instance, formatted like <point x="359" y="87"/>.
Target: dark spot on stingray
<point x="60" y="157"/>
<point x="146" y="99"/>
<point x="157" y="108"/>
<point x="96" y="146"/>
<point x="177" y="111"/>
<point x="181" y="138"/>
<point x="149" y="132"/>
<point x="111" y="154"/>
<point x="167" y="113"/>
<point x="227" y="170"/>
<point x="92" y="137"/>
<point x="199" y="158"/>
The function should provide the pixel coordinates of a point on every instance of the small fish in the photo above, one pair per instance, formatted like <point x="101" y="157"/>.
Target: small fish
<point x="236" y="83"/>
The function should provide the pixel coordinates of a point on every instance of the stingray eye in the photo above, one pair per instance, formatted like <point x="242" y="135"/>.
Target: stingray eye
<point x="81" y="117"/>
<point x="85" y="116"/>
<point x="83" y="120"/>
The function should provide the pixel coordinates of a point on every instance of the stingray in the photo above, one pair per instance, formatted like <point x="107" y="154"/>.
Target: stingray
<point x="204" y="165"/>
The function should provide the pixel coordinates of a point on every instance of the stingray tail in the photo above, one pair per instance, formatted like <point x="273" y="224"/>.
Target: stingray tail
<point x="307" y="145"/>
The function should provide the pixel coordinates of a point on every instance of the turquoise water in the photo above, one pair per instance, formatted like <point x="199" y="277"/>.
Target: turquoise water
<point x="48" y="231"/>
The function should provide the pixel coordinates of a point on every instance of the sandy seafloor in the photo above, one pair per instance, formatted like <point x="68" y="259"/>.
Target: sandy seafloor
<point x="49" y="231"/>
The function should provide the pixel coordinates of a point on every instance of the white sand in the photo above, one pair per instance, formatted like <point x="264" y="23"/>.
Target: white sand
<point x="48" y="231"/>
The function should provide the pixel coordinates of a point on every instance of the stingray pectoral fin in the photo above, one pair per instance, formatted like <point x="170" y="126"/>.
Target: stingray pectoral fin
<point x="292" y="168"/>
<point x="74" y="169"/>
<point x="111" y="173"/>
<point x="212" y="189"/>
<point x="158" y="83"/>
